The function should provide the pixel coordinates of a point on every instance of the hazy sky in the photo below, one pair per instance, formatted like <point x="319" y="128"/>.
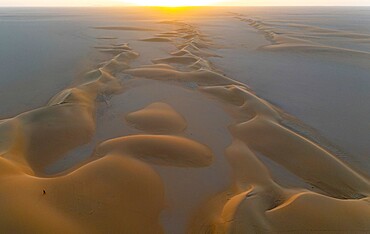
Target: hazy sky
<point x="221" y="2"/>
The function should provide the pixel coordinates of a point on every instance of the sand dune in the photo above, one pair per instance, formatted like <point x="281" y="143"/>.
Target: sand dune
<point x="65" y="123"/>
<point x="38" y="138"/>
<point x="157" y="118"/>
<point x="246" y="211"/>
<point x="196" y="52"/>
<point x="157" y="39"/>
<point x="159" y="149"/>
<point x="201" y="77"/>
<point x="306" y="38"/>
<point x="281" y="142"/>
<point x="75" y="205"/>
<point x="122" y="184"/>
<point x="177" y="59"/>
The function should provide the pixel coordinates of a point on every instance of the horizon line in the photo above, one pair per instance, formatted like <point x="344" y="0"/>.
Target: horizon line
<point x="106" y="6"/>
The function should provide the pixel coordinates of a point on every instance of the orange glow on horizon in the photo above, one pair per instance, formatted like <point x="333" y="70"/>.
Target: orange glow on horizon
<point x="171" y="3"/>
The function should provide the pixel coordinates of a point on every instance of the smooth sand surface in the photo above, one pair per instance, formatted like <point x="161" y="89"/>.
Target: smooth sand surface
<point x="158" y="118"/>
<point x="158" y="136"/>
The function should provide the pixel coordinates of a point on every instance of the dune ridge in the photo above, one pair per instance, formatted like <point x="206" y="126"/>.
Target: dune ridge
<point x="117" y="189"/>
<point x="39" y="137"/>
<point x="159" y="149"/>
<point x="157" y="118"/>
<point x="69" y="117"/>
<point x="251" y="203"/>
<point x="285" y="40"/>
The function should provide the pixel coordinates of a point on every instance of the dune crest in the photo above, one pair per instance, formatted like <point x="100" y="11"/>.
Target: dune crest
<point x="295" y="40"/>
<point x="132" y="183"/>
<point x="157" y="39"/>
<point x="159" y="149"/>
<point x="157" y="118"/>
<point x="73" y="204"/>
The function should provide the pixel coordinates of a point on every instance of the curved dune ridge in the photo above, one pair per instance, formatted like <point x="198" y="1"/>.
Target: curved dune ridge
<point x="66" y="122"/>
<point x="201" y="77"/>
<point x="118" y="188"/>
<point x="251" y="201"/>
<point x="157" y="118"/>
<point x="92" y="199"/>
<point x="159" y="149"/>
<point x="157" y="39"/>
<point x="302" y="37"/>
<point x="71" y="203"/>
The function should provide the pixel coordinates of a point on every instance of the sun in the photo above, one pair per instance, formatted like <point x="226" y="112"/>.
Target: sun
<point x="172" y="3"/>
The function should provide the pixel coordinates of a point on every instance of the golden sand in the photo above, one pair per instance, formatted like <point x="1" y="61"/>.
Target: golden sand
<point x="157" y="118"/>
<point x="118" y="190"/>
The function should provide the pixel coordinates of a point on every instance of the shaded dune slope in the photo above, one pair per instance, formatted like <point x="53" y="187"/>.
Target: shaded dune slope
<point x="118" y="189"/>
<point x="157" y="118"/>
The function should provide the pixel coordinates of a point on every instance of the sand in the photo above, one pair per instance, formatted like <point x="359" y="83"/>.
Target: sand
<point x="156" y="135"/>
<point x="157" y="118"/>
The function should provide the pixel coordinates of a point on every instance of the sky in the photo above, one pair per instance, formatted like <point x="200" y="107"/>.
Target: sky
<point x="5" y="3"/>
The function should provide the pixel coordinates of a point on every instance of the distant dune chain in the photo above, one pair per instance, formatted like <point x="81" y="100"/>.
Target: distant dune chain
<point x="286" y="36"/>
<point x="117" y="189"/>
